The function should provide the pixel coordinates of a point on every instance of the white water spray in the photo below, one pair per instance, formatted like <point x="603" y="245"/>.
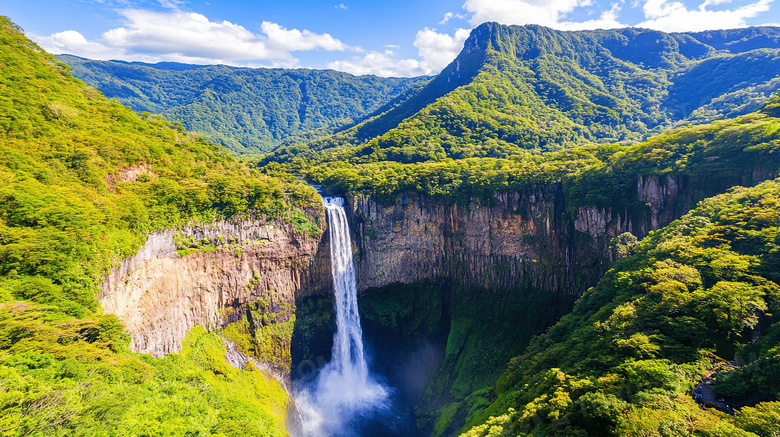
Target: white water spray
<point x="343" y="388"/>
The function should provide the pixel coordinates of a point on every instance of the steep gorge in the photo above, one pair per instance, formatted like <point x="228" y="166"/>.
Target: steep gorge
<point x="466" y="286"/>
<point x="457" y="289"/>
<point x="532" y="238"/>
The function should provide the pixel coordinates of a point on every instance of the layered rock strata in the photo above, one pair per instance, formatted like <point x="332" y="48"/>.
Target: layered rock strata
<point x="531" y="239"/>
<point x="160" y="295"/>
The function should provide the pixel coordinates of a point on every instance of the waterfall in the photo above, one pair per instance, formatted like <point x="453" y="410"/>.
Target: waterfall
<point x="348" y="357"/>
<point x="343" y="388"/>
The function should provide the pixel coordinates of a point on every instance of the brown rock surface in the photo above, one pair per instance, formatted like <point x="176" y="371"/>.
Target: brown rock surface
<point x="160" y="295"/>
<point x="518" y="239"/>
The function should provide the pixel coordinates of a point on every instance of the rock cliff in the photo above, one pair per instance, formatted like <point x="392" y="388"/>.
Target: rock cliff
<point x="533" y="239"/>
<point x="494" y="273"/>
<point x="160" y="295"/>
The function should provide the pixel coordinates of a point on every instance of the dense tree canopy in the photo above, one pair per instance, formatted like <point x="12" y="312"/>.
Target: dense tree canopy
<point x="83" y="180"/>
<point x="248" y="110"/>
<point x="623" y="361"/>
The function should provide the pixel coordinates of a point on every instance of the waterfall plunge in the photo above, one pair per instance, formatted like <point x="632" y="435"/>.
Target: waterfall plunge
<point x="343" y="388"/>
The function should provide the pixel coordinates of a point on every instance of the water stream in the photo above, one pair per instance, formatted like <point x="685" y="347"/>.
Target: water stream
<point x="344" y="390"/>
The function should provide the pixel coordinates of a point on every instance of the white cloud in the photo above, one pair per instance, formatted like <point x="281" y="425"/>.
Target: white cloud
<point x="296" y="40"/>
<point x="341" y="6"/>
<point x="450" y="15"/>
<point x="380" y="64"/>
<point x="436" y="50"/>
<point x="666" y="15"/>
<point x="607" y="20"/>
<point x="676" y="17"/>
<point x="190" y="37"/>
<point x="549" y="13"/>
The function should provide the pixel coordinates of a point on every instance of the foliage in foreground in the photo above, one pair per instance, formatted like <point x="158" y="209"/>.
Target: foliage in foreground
<point x="624" y="361"/>
<point x="65" y="376"/>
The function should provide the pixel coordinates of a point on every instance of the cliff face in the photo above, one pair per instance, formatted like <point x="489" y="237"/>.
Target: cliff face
<point x="497" y="272"/>
<point x="418" y="238"/>
<point x="532" y="239"/>
<point x="160" y="295"/>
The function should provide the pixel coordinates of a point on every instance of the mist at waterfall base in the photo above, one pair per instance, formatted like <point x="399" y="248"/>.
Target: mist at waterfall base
<point x="344" y="398"/>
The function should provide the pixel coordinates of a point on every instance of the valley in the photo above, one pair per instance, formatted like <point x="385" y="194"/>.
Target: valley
<point x="562" y="233"/>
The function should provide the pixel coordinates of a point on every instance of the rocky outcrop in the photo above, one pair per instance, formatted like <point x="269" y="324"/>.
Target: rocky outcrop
<point x="418" y="238"/>
<point x="532" y="238"/>
<point x="160" y="295"/>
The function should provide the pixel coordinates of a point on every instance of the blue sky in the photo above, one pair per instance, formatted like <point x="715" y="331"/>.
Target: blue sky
<point x="389" y="38"/>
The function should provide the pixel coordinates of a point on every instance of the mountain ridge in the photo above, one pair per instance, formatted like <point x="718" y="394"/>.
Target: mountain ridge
<point x="531" y="87"/>
<point x="248" y="110"/>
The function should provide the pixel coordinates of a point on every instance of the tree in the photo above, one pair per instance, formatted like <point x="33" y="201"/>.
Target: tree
<point x="733" y="305"/>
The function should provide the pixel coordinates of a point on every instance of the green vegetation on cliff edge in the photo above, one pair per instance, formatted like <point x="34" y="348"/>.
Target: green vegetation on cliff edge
<point x="83" y="179"/>
<point x="595" y="175"/>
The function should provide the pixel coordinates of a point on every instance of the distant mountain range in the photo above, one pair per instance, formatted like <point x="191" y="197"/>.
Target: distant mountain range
<point x="248" y="110"/>
<point x="512" y="87"/>
<point x="531" y="87"/>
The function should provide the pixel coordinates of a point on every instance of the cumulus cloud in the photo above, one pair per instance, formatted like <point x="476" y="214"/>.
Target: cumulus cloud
<point x="191" y="37"/>
<point x="380" y="64"/>
<point x="666" y="15"/>
<point x="436" y="50"/>
<point x="296" y="40"/>
<point x="341" y="6"/>
<point x="549" y="13"/>
<point x="676" y="17"/>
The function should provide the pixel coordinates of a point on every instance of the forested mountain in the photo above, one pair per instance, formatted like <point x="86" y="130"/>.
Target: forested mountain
<point x="248" y="110"/>
<point x="532" y="88"/>
<point x="83" y="181"/>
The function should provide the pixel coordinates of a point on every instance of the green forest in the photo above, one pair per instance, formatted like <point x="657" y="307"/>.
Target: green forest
<point x="624" y="361"/>
<point x="516" y="89"/>
<point x="84" y="180"/>
<point x="66" y="216"/>
<point x="247" y="110"/>
<point x="594" y="175"/>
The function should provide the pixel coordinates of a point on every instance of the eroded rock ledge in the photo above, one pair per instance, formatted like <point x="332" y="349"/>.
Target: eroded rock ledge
<point x="160" y="295"/>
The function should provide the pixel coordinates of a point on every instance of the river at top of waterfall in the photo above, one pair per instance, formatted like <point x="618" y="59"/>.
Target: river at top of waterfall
<point x="344" y="389"/>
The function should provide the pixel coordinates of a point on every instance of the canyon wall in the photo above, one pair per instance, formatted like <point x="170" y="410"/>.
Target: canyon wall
<point x="160" y="295"/>
<point x="495" y="272"/>
<point x="534" y="238"/>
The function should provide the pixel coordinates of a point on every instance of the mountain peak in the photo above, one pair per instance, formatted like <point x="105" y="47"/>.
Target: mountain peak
<point x="533" y="87"/>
